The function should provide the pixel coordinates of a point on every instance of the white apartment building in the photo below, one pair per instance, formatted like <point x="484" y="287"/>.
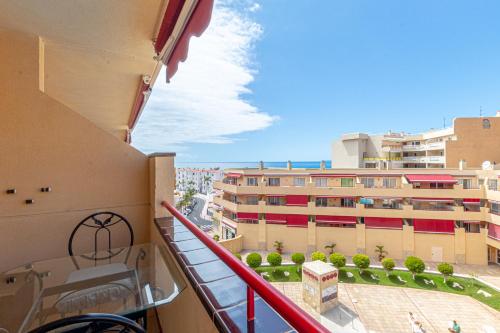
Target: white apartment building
<point x="467" y="140"/>
<point x="201" y="179"/>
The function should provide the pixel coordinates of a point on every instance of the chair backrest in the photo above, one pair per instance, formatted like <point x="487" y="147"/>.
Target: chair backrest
<point x="103" y="222"/>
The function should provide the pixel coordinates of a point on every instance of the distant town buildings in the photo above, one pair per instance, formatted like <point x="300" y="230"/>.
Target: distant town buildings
<point x="201" y="179"/>
<point x="469" y="139"/>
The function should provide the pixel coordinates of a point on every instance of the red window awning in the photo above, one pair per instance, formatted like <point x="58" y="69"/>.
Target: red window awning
<point x="434" y="226"/>
<point x="293" y="220"/>
<point x="275" y="218"/>
<point x="434" y="199"/>
<point x="233" y="175"/>
<point x="383" y="223"/>
<point x="335" y="219"/>
<point x="494" y="231"/>
<point x="472" y="201"/>
<point x="248" y="216"/>
<point x="333" y="175"/>
<point x="431" y="179"/>
<point x="297" y="200"/>
<point x="196" y="25"/>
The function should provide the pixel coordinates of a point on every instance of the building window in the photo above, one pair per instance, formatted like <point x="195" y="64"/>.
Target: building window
<point x="368" y="182"/>
<point x="253" y="200"/>
<point x="252" y="181"/>
<point x="346" y="182"/>
<point x="321" y="202"/>
<point x="274" y="182"/>
<point x="389" y="182"/>
<point x="320" y="182"/>
<point x="486" y="123"/>
<point x="299" y="181"/>
<point x="492" y="184"/>
<point x="347" y="202"/>
<point x="274" y="201"/>
<point x="495" y="208"/>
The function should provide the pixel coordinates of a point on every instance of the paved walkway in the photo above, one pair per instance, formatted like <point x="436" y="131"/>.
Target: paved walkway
<point x="488" y="273"/>
<point x="385" y="309"/>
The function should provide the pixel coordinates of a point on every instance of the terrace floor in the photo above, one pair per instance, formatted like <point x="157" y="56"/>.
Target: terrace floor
<point x="385" y="309"/>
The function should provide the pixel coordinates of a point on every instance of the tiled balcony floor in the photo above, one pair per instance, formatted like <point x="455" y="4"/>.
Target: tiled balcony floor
<point x="385" y="309"/>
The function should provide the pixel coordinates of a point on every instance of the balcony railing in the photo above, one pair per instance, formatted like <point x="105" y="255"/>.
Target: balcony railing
<point x="259" y="314"/>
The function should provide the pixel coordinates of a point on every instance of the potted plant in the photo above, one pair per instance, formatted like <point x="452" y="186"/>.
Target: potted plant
<point x="330" y="247"/>
<point x="216" y="238"/>
<point x="278" y="245"/>
<point x="381" y="252"/>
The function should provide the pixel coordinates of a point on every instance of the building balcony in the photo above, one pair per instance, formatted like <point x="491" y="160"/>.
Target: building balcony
<point x="424" y="159"/>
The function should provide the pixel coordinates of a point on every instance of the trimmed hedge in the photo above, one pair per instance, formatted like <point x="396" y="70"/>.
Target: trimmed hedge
<point x="362" y="261"/>
<point x="415" y="265"/>
<point x="337" y="259"/>
<point x="237" y="255"/>
<point x="254" y="260"/>
<point x="318" y="255"/>
<point x="298" y="258"/>
<point x="274" y="259"/>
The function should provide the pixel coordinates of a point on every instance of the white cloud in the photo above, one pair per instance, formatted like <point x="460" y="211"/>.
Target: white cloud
<point x="204" y="103"/>
<point x="255" y="7"/>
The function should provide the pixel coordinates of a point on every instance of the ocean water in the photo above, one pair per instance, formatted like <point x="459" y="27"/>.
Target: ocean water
<point x="240" y="165"/>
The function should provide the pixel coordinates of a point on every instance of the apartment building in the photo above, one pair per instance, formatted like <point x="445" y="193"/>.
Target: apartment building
<point x="448" y="215"/>
<point x="469" y="139"/>
<point x="201" y="179"/>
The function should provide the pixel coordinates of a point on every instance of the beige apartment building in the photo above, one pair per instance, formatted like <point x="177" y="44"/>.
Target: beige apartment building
<point x="469" y="139"/>
<point x="440" y="215"/>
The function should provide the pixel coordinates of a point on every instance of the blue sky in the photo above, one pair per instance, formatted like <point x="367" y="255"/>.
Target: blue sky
<point x="279" y="80"/>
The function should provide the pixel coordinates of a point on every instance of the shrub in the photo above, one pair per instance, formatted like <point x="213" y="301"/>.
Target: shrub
<point x="237" y="255"/>
<point x="216" y="238"/>
<point x="362" y="261"/>
<point x="298" y="258"/>
<point x="337" y="260"/>
<point x="318" y="255"/>
<point x="415" y="265"/>
<point x="274" y="259"/>
<point x="254" y="260"/>
<point x="388" y="264"/>
<point x="445" y="269"/>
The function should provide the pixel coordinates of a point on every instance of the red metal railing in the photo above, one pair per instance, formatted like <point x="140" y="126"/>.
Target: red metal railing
<point x="294" y="315"/>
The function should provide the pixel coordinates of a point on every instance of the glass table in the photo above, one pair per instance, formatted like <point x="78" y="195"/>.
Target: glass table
<point x="125" y="281"/>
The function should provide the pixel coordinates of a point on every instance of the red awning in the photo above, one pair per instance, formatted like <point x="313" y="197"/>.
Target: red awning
<point x="431" y="179"/>
<point x="248" y="216"/>
<point x="494" y="231"/>
<point x="383" y="223"/>
<point x="293" y="220"/>
<point x="434" y="226"/>
<point x="275" y="218"/>
<point x="196" y="25"/>
<point x="275" y="195"/>
<point x="233" y="175"/>
<point x="336" y="219"/>
<point x="172" y="12"/>
<point x="333" y="175"/>
<point x="140" y="99"/>
<point x="434" y="199"/>
<point x="472" y="201"/>
<point x="297" y="200"/>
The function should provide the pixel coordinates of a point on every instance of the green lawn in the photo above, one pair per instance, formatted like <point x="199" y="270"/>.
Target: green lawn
<point x="471" y="286"/>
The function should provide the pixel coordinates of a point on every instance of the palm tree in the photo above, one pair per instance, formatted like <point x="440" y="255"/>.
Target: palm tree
<point x="278" y="246"/>
<point x="330" y="247"/>
<point x="379" y="250"/>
